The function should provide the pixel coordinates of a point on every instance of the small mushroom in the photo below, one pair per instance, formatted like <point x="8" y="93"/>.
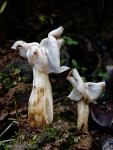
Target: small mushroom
<point x="44" y="58"/>
<point x="83" y="93"/>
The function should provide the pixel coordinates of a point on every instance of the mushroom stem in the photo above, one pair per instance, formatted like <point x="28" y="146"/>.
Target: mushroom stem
<point x="44" y="58"/>
<point x="83" y="114"/>
<point x="83" y="93"/>
<point x="40" y="110"/>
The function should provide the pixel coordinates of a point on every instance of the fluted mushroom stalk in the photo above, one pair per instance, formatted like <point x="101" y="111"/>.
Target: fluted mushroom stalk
<point x="40" y="110"/>
<point x="83" y="94"/>
<point x="44" y="58"/>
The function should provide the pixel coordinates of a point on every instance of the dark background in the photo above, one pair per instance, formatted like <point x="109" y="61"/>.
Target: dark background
<point x="30" y="20"/>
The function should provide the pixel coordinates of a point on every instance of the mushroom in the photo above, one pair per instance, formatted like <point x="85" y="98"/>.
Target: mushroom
<point x="44" y="58"/>
<point x="83" y="94"/>
<point x="21" y="47"/>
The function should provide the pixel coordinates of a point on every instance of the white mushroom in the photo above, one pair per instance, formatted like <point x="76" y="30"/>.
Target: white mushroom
<point x="52" y="47"/>
<point x="22" y="47"/>
<point x="44" y="58"/>
<point x="83" y="93"/>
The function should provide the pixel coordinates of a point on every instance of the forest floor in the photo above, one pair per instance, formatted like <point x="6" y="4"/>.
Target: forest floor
<point x="15" y="89"/>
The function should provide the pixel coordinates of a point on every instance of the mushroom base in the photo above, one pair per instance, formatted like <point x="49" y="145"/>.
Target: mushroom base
<point x="40" y="110"/>
<point x="82" y="116"/>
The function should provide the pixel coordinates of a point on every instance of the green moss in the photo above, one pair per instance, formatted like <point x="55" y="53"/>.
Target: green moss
<point x="72" y="139"/>
<point x="51" y="133"/>
<point x="6" y="80"/>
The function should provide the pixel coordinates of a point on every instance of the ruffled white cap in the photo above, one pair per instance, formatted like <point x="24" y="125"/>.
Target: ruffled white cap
<point x="46" y="55"/>
<point x="89" y="90"/>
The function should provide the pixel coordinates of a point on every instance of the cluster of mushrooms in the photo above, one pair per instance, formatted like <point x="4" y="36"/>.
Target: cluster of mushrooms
<point x="44" y="58"/>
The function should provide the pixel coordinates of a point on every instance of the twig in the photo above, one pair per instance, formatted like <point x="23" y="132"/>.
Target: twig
<point x="7" y="129"/>
<point x="55" y="101"/>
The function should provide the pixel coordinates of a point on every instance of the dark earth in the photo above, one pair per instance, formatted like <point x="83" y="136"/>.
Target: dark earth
<point x="88" y="46"/>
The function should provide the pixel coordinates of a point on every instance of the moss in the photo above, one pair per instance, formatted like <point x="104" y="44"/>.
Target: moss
<point x="72" y="139"/>
<point x="48" y="135"/>
<point x="7" y="82"/>
<point x="51" y="133"/>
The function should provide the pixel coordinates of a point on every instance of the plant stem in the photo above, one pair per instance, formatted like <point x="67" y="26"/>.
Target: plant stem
<point x="83" y="114"/>
<point x="40" y="110"/>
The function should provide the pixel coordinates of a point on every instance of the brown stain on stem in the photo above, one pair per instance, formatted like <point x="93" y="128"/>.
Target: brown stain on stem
<point x="36" y="116"/>
<point x="42" y="91"/>
<point x="40" y="94"/>
<point x="36" y="123"/>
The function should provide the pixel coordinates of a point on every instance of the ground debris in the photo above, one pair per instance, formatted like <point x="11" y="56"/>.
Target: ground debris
<point x="6" y="56"/>
<point x="84" y="143"/>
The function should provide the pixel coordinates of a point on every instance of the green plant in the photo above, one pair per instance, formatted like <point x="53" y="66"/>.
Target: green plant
<point x="75" y="64"/>
<point x="104" y="75"/>
<point x="6" y="80"/>
<point x="9" y="80"/>
<point x="69" y="41"/>
<point x="72" y="139"/>
<point x="3" y="6"/>
<point x="51" y="132"/>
